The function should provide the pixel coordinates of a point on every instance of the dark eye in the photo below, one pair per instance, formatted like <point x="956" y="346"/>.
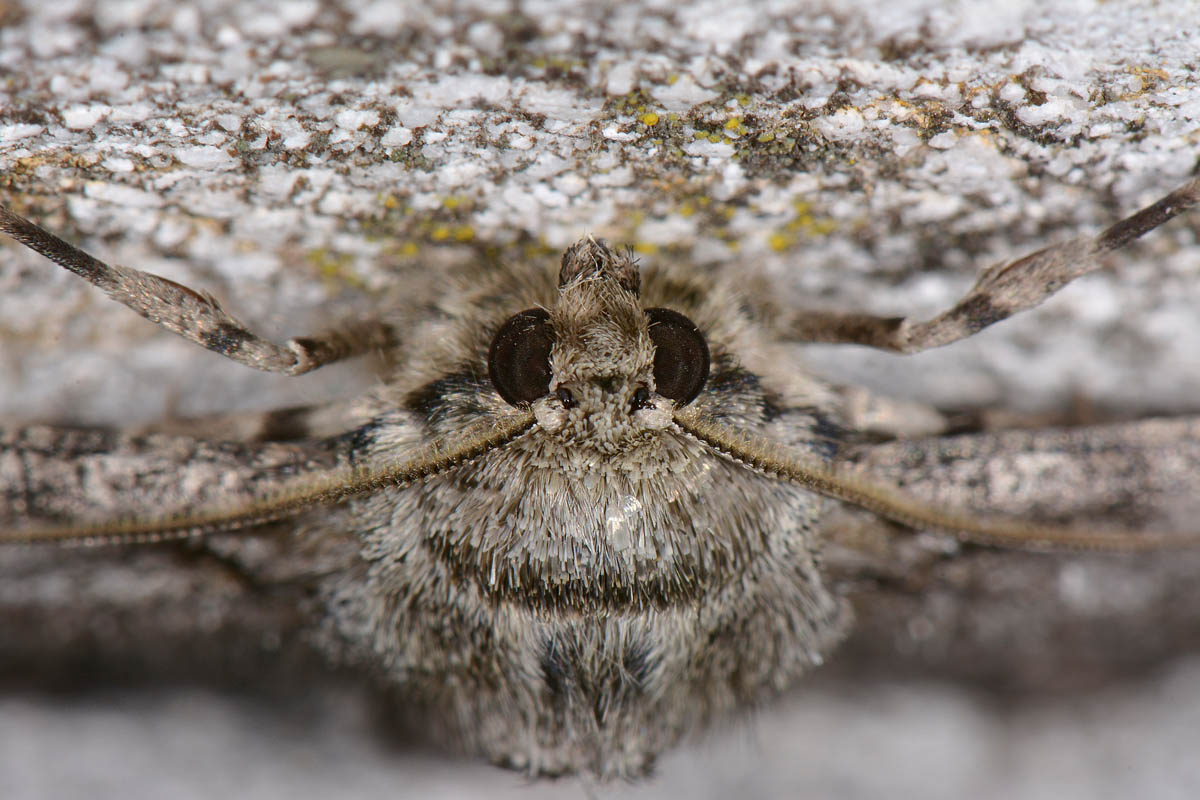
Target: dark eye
<point x="566" y="398"/>
<point x="519" y="358"/>
<point x="680" y="355"/>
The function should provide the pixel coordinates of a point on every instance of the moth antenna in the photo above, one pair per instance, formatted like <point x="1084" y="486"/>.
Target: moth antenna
<point x="435" y="458"/>
<point x="763" y="455"/>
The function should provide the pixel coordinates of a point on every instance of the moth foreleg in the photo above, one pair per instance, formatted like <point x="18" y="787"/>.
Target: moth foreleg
<point x="197" y="316"/>
<point x="1000" y="291"/>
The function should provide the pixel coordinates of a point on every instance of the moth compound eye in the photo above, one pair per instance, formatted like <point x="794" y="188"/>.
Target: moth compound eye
<point x="680" y="355"/>
<point x="519" y="358"/>
<point x="640" y="399"/>
<point x="566" y="398"/>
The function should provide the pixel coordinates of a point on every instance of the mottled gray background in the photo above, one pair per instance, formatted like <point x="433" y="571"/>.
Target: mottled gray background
<point x="302" y="159"/>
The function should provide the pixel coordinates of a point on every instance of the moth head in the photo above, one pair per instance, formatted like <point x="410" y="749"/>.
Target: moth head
<point x="597" y="365"/>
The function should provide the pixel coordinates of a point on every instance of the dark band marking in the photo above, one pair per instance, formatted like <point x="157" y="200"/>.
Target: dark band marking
<point x="981" y="312"/>
<point x="454" y="395"/>
<point x="226" y="339"/>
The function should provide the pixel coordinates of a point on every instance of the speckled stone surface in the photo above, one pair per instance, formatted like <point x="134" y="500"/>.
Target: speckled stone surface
<point x="302" y="160"/>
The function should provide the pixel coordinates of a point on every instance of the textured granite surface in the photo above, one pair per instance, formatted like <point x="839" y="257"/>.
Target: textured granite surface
<point x="301" y="160"/>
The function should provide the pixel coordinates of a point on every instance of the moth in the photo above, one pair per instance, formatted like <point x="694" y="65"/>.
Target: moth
<point x="582" y="516"/>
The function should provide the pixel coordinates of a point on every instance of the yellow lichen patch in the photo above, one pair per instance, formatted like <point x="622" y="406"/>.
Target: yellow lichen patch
<point x="779" y="241"/>
<point x="649" y="119"/>
<point x="803" y="225"/>
<point x="539" y="249"/>
<point x="645" y="248"/>
<point x="1150" y="78"/>
<point x="334" y="269"/>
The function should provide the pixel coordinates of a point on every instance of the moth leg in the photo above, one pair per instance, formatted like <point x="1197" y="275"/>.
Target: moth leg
<point x="1000" y="291"/>
<point x="197" y="316"/>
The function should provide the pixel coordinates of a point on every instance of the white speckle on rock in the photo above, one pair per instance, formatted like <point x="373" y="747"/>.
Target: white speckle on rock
<point x="461" y="117"/>
<point x="382" y="18"/>
<point x="614" y="133"/>
<point x="549" y="197"/>
<point x="561" y="104"/>
<point x="106" y="78"/>
<point x="230" y="122"/>
<point x="842" y="125"/>
<point x="267" y="224"/>
<point x="79" y="118"/>
<point x="171" y="233"/>
<point x="620" y="78"/>
<point x="682" y="95"/>
<point x="1052" y="109"/>
<point x="486" y="37"/>
<point x="928" y="89"/>
<point x="64" y="87"/>
<point x="931" y="207"/>
<point x="276" y="181"/>
<point x="1012" y="92"/>
<point x="943" y="141"/>
<point x="417" y="115"/>
<point x="518" y="142"/>
<point x="254" y="266"/>
<point x="668" y="230"/>
<point x="456" y="174"/>
<point x="117" y="165"/>
<point x="354" y="118"/>
<point x="723" y="28"/>
<point x="903" y="139"/>
<point x="707" y="149"/>
<point x="228" y="36"/>
<point x="131" y="113"/>
<point x="336" y="203"/>
<point x="571" y="185"/>
<point x="120" y="195"/>
<point x="19" y="130"/>
<point x="279" y="18"/>
<point x="465" y="90"/>
<point x="621" y="176"/>
<point x="520" y="199"/>
<point x="396" y="136"/>
<point x="877" y="74"/>
<point x="294" y="135"/>
<point x="209" y="158"/>
<point x="547" y="167"/>
<point x="186" y="21"/>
